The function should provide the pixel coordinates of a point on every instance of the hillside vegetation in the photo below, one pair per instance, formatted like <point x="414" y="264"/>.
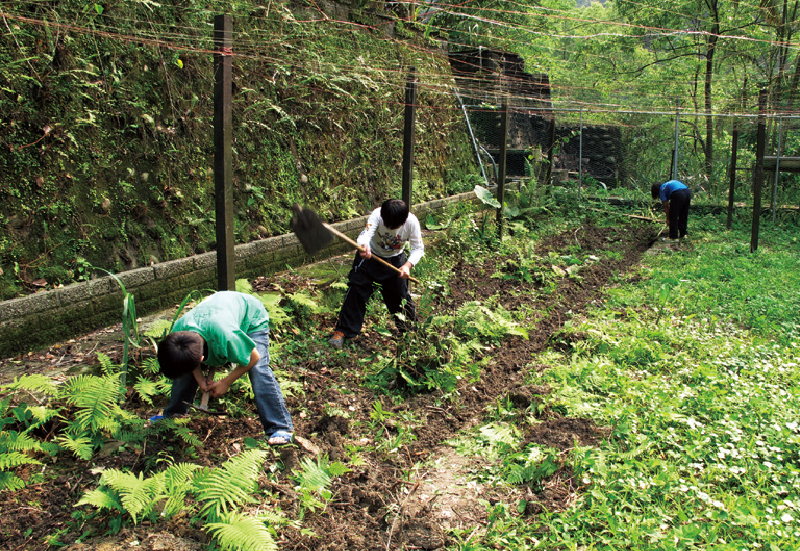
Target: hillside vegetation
<point x="107" y="136"/>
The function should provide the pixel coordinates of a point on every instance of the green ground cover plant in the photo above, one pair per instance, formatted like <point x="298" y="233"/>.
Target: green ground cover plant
<point x="699" y="389"/>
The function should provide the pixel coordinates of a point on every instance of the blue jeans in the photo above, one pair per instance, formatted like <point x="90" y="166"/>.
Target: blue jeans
<point x="267" y="393"/>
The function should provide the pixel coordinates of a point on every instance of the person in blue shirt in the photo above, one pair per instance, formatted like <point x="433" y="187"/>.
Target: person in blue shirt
<point x="675" y="198"/>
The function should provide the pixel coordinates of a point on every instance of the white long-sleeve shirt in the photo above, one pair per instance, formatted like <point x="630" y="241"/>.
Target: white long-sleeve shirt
<point x="387" y="243"/>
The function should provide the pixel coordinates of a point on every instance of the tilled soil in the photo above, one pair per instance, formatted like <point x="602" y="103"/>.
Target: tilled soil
<point x="404" y="498"/>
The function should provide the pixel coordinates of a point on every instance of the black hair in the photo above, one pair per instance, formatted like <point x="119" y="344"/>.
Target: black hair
<point x="394" y="213"/>
<point x="655" y="189"/>
<point x="180" y="353"/>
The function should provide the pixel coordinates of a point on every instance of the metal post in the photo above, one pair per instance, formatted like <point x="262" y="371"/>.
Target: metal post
<point x="777" y="170"/>
<point x="732" y="171"/>
<point x="472" y="137"/>
<point x="223" y="158"/>
<point x="501" y="177"/>
<point x="675" y="151"/>
<point x="550" y="149"/>
<point x="580" y="157"/>
<point x="408" y="134"/>
<point x="758" y="176"/>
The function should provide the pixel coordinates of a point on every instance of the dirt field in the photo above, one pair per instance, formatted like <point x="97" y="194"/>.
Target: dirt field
<point x="408" y="499"/>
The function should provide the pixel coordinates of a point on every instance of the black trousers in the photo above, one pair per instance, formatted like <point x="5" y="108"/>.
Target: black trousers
<point x="679" y="203"/>
<point x="364" y="276"/>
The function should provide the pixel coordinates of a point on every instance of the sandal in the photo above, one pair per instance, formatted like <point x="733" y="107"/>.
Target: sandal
<point x="285" y="437"/>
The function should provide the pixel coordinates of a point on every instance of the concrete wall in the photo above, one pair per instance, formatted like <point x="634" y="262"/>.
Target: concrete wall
<point x="44" y="318"/>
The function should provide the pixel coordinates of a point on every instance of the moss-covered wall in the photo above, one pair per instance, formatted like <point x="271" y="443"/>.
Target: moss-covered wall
<point x="106" y="116"/>
<point x="50" y="316"/>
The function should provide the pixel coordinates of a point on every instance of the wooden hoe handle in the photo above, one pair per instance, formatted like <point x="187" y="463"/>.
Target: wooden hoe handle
<point x="204" y="398"/>
<point x="360" y="248"/>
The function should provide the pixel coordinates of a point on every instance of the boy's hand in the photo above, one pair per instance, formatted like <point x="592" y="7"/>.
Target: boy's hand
<point x="218" y="388"/>
<point x="366" y="252"/>
<point x="405" y="271"/>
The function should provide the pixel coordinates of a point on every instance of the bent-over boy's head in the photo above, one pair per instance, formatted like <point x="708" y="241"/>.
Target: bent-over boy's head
<point x="180" y="353"/>
<point x="394" y="213"/>
<point x="655" y="190"/>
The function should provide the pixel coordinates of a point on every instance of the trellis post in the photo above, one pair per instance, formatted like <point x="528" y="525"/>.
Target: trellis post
<point x="408" y="134"/>
<point x="732" y="171"/>
<point x="501" y="176"/>
<point x="758" y="176"/>
<point x="674" y="175"/>
<point x="223" y="159"/>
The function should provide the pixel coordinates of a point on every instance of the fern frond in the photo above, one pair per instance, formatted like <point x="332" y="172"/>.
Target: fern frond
<point x="41" y="415"/>
<point x="230" y="484"/>
<point x="290" y="387"/>
<point x="97" y="399"/>
<point x="188" y="436"/>
<point x="178" y="482"/>
<point x="81" y="446"/>
<point x="239" y="532"/>
<point x="495" y="432"/>
<point x="337" y="468"/>
<point x="304" y="300"/>
<point x="10" y="482"/>
<point x="277" y="519"/>
<point x="515" y="474"/>
<point x="316" y="476"/>
<point x="18" y="441"/>
<point x="15" y="459"/>
<point x="146" y="389"/>
<point x="180" y="474"/>
<point x="159" y="329"/>
<point x="243" y="286"/>
<point x="138" y="494"/>
<point x="630" y="455"/>
<point x="473" y="317"/>
<point x="33" y="383"/>
<point x="101" y="498"/>
<point x="271" y="301"/>
<point x="106" y="365"/>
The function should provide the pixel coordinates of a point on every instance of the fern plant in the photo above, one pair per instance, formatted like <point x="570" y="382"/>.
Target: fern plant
<point x="477" y="320"/>
<point x="96" y="414"/>
<point x="238" y="531"/>
<point x="228" y="486"/>
<point x="18" y="447"/>
<point x="313" y="480"/>
<point x="531" y="466"/>
<point x="14" y="452"/>
<point x="139" y="496"/>
<point x="218" y="493"/>
<point x="271" y="301"/>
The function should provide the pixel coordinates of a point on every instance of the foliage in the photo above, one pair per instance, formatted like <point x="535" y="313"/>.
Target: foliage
<point x="477" y="320"/>
<point x="701" y="413"/>
<point x="218" y="493"/>
<point x="104" y="130"/>
<point x="19" y="447"/>
<point x="314" y="479"/>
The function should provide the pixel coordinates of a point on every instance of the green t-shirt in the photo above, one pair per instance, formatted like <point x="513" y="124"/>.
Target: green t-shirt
<point x="224" y="320"/>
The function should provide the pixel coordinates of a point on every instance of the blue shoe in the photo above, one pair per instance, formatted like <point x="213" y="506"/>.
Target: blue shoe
<point x="155" y="418"/>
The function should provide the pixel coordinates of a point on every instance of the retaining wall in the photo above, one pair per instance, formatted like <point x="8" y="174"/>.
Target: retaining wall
<point x="46" y="317"/>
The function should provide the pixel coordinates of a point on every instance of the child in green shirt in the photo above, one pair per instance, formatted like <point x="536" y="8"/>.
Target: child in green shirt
<point x="227" y="327"/>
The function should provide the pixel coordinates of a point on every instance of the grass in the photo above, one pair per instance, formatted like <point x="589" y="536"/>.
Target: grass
<point x="699" y="387"/>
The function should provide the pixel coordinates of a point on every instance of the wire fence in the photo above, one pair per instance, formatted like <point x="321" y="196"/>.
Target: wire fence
<point x="633" y="150"/>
